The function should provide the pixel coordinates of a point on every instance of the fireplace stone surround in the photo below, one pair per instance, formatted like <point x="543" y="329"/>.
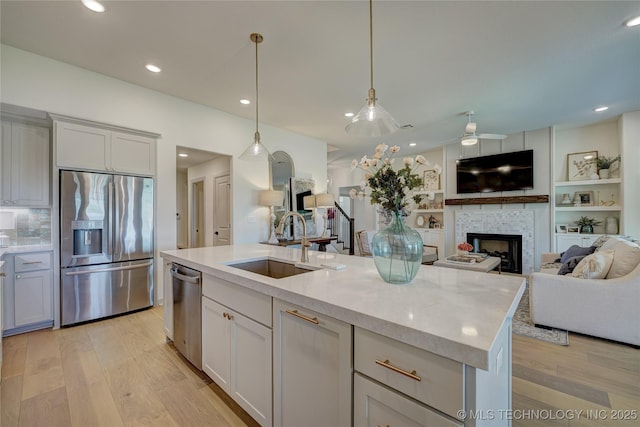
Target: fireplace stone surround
<point x="503" y="221"/>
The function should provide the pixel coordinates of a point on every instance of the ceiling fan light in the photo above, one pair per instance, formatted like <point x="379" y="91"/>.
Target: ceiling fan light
<point x="469" y="140"/>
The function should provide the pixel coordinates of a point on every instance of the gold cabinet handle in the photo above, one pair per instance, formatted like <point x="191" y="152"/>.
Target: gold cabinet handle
<point x="31" y="262"/>
<point x="313" y="320"/>
<point x="227" y="315"/>
<point x="388" y="365"/>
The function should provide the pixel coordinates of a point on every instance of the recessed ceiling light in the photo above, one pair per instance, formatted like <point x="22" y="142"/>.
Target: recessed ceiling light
<point x="93" y="5"/>
<point x="633" y="22"/>
<point x="245" y="102"/>
<point x="412" y="144"/>
<point x="601" y="109"/>
<point x="183" y="155"/>
<point x="153" y="68"/>
<point x="348" y="114"/>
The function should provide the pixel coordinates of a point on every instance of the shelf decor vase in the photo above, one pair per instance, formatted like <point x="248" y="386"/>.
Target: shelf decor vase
<point x="397" y="251"/>
<point x="611" y="226"/>
<point x="587" y="229"/>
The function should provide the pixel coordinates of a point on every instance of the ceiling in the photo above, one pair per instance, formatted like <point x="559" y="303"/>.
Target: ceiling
<point x="521" y="65"/>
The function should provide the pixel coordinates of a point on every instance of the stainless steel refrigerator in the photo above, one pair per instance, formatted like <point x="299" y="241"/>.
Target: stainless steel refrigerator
<point x="106" y="245"/>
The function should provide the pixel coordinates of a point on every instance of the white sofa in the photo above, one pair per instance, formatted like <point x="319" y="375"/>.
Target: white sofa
<point x="606" y="308"/>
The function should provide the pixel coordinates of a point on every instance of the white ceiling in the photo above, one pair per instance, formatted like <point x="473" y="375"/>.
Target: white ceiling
<point x="521" y="65"/>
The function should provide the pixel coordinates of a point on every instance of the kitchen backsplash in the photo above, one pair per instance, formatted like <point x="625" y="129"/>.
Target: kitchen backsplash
<point x="26" y="227"/>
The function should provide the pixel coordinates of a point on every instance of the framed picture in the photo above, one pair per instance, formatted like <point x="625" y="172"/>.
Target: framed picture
<point x="580" y="166"/>
<point x="561" y="228"/>
<point x="573" y="229"/>
<point x="431" y="180"/>
<point x="585" y="197"/>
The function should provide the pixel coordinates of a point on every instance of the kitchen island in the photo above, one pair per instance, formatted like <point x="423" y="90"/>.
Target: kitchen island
<point x="456" y="322"/>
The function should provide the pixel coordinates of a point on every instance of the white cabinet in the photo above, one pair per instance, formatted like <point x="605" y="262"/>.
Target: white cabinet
<point x="237" y="349"/>
<point x="377" y="405"/>
<point x="312" y="368"/>
<point x="2" y="274"/>
<point x="564" y="241"/>
<point x="94" y="148"/>
<point x="167" y="300"/>
<point x="25" y="165"/>
<point x="28" y="292"/>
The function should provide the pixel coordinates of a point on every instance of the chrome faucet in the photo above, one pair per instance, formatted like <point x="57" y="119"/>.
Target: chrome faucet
<point x="304" y="242"/>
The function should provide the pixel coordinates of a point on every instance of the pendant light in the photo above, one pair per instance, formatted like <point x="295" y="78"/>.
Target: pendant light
<point x="372" y="119"/>
<point x="256" y="150"/>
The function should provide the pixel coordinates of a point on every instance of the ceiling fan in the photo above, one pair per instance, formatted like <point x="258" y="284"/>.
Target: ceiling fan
<point x="470" y="136"/>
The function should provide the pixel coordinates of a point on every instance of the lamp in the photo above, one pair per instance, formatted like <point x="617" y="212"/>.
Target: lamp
<point x="256" y="150"/>
<point x="325" y="200"/>
<point x="272" y="198"/>
<point x="372" y="119"/>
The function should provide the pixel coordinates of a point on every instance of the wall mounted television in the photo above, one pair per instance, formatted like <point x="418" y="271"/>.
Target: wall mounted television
<point x="498" y="172"/>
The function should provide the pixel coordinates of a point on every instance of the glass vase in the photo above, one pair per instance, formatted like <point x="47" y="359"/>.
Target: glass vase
<point x="397" y="251"/>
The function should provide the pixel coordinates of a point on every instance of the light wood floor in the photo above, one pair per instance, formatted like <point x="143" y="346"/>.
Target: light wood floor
<point x="120" y="372"/>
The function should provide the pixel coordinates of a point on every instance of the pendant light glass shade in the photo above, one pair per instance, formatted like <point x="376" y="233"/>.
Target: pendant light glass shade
<point x="372" y="120"/>
<point x="256" y="150"/>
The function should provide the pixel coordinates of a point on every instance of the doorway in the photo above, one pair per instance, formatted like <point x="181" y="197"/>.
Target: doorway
<point x="197" y="215"/>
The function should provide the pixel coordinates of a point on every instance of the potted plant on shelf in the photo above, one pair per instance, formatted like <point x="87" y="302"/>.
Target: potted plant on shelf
<point x="586" y="224"/>
<point x="604" y="163"/>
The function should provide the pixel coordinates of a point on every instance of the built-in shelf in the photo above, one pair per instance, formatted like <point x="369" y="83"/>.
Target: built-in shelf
<point x="428" y="191"/>
<point x="588" y="208"/>
<point x="588" y="182"/>
<point x="428" y="210"/>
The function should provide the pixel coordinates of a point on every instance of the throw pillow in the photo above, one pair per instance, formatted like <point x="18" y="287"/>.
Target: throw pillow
<point x="594" y="266"/>
<point x="575" y="251"/>
<point x="626" y="257"/>
<point x="570" y="265"/>
<point x="600" y="241"/>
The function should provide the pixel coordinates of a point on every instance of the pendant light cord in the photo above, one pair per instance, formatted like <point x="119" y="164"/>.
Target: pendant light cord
<point x="371" y="41"/>
<point x="256" y="85"/>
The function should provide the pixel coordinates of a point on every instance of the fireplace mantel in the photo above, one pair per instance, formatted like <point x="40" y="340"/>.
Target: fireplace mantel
<point x="541" y="198"/>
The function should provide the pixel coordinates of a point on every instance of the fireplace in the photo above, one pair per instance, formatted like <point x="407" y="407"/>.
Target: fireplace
<point x="507" y="247"/>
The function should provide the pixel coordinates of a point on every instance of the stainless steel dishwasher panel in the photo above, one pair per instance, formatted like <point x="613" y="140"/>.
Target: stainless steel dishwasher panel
<point x="187" y="313"/>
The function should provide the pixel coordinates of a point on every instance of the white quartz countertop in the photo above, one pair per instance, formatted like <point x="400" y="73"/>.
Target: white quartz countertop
<point x="454" y="313"/>
<point x="21" y="249"/>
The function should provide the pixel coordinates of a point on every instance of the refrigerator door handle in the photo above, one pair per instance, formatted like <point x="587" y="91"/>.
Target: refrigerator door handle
<point x="103" y="270"/>
<point x="109" y="222"/>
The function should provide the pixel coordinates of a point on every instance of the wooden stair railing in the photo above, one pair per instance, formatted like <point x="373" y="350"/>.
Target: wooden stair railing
<point x="342" y="226"/>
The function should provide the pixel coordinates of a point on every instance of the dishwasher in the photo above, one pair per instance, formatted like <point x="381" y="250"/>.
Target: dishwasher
<point x="187" y="313"/>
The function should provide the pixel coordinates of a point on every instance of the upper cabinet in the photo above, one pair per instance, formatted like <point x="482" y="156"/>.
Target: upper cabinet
<point x="89" y="147"/>
<point x="25" y="165"/>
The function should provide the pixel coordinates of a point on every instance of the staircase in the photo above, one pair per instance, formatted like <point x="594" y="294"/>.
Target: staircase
<point x="342" y="227"/>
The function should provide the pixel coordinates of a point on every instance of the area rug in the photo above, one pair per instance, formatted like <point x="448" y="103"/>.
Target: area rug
<point x="522" y="325"/>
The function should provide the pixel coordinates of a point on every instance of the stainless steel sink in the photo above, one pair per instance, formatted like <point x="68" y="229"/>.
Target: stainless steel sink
<point x="271" y="268"/>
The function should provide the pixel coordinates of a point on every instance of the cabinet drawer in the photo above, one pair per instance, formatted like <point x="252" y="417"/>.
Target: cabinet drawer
<point x="427" y="377"/>
<point x="252" y="304"/>
<point x="32" y="262"/>
<point x="377" y="405"/>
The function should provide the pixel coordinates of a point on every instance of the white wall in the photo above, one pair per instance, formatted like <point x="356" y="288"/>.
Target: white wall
<point x="33" y="81"/>
<point x="207" y="172"/>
